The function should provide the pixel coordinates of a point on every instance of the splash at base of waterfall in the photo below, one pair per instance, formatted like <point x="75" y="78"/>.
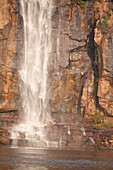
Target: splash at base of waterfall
<point x="32" y="136"/>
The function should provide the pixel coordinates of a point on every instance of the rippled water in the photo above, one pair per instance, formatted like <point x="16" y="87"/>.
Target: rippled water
<point x="49" y="159"/>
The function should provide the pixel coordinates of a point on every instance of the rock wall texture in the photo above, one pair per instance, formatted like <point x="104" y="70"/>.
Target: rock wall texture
<point x="10" y="47"/>
<point x="80" y="65"/>
<point x="83" y="67"/>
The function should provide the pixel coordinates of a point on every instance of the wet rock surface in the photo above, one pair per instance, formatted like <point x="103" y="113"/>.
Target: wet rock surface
<point x="79" y="137"/>
<point x="4" y="140"/>
<point x="71" y="136"/>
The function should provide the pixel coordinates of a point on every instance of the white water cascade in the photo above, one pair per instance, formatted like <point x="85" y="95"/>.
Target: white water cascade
<point x="37" y="47"/>
<point x="33" y="72"/>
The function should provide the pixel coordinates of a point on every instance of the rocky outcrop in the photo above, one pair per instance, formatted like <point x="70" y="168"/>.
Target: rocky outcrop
<point x="83" y="71"/>
<point x="3" y="139"/>
<point x="10" y="51"/>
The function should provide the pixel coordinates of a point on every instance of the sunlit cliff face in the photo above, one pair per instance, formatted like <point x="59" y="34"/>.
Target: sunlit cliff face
<point x="98" y="36"/>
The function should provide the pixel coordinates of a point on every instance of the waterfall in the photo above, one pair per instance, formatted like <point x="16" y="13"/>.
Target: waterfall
<point x="37" y="47"/>
<point x="33" y="72"/>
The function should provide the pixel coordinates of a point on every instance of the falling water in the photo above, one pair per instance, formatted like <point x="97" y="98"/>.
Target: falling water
<point x="33" y="72"/>
<point x="37" y="46"/>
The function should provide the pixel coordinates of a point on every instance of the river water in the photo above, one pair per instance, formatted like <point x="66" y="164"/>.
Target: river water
<point x="51" y="159"/>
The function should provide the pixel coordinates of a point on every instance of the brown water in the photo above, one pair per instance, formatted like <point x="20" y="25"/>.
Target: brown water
<point x="50" y="159"/>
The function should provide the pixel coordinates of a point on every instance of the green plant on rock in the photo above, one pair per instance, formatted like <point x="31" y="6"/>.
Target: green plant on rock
<point x="82" y="3"/>
<point x="109" y="14"/>
<point x="10" y="2"/>
<point x="96" y="57"/>
<point x="103" y="24"/>
<point x="97" y="118"/>
<point x="103" y="125"/>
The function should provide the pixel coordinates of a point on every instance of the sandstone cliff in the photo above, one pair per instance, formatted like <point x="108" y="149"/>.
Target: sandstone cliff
<point x="83" y="82"/>
<point x="10" y="46"/>
<point x="80" y="65"/>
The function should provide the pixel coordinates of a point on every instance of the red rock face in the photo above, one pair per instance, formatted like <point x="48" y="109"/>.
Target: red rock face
<point x="80" y="79"/>
<point x="80" y="64"/>
<point x="84" y="85"/>
<point x="10" y="47"/>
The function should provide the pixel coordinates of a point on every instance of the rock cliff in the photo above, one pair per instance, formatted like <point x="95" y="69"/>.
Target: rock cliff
<point x="10" y="47"/>
<point x="80" y="65"/>
<point x="83" y="78"/>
